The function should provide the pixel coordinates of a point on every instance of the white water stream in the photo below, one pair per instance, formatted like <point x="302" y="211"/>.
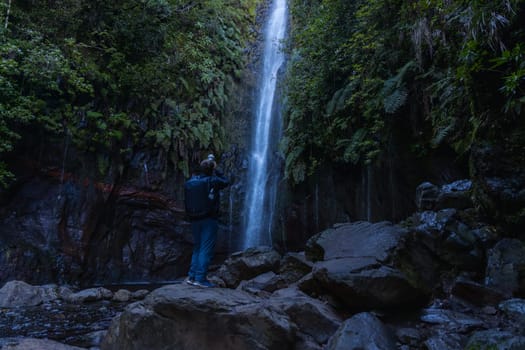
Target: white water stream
<point x="261" y="191"/>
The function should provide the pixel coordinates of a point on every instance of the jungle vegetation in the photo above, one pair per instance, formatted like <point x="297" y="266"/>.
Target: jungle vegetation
<point x="455" y="68"/>
<point x="110" y="76"/>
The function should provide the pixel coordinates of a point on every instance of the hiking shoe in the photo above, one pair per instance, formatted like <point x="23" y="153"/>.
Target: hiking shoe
<point x="204" y="284"/>
<point x="190" y="281"/>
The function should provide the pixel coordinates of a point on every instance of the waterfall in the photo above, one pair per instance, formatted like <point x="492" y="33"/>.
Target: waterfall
<point x="261" y="182"/>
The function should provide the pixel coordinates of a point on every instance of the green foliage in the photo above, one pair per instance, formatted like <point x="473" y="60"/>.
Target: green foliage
<point x="356" y="67"/>
<point x="118" y="76"/>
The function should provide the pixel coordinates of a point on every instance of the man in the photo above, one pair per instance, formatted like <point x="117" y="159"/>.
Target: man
<point x="202" y="207"/>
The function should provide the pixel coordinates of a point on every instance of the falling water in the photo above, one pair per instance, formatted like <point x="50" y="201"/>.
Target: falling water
<point x="261" y="191"/>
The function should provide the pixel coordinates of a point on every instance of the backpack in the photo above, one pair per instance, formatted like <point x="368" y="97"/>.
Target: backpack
<point x="198" y="197"/>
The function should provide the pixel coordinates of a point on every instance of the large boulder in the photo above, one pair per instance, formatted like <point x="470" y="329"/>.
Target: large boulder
<point x="18" y="293"/>
<point x="453" y="195"/>
<point x="314" y="320"/>
<point x="186" y="317"/>
<point x="498" y="174"/>
<point x="506" y="267"/>
<point x="497" y="340"/>
<point x="363" y="331"/>
<point x="355" y="263"/>
<point x="248" y="264"/>
<point x="354" y="240"/>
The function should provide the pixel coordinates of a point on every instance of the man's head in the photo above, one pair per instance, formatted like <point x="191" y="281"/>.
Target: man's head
<point x="207" y="166"/>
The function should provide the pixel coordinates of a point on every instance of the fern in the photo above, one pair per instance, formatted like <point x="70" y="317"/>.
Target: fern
<point x="442" y="133"/>
<point x="394" y="91"/>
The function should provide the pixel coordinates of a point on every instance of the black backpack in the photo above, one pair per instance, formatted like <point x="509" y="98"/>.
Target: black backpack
<point x="199" y="197"/>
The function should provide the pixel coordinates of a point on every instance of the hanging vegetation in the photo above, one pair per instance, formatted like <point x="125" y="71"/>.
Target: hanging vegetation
<point x="113" y="76"/>
<point x="356" y="66"/>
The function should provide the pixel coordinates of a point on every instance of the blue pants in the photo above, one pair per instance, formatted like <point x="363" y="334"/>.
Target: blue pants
<point x="204" y="238"/>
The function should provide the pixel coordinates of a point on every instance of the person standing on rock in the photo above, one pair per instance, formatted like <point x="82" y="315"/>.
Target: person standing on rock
<point x="202" y="201"/>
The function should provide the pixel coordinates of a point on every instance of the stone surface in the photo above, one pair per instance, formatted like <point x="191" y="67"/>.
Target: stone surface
<point x="248" y="264"/>
<point x="122" y="295"/>
<point x="352" y="240"/>
<point x="18" y="293"/>
<point x="505" y="266"/>
<point x="87" y="295"/>
<point x="33" y="344"/>
<point x="362" y="283"/>
<point x="186" y="317"/>
<point x="363" y="331"/>
<point x="310" y="316"/>
<point x="497" y="340"/>
<point x="476" y="293"/>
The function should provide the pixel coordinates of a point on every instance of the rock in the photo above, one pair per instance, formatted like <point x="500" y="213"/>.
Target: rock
<point x="452" y="320"/>
<point x="505" y="266"/>
<point x="454" y="195"/>
<point x="363" y="331"/>
<point x="408" y="336"/>
<point x="476" y="293"/>
<point x="33" y="344"/>
<point x="122" y="295"/>
<point x="87" y="295"/>
<point x="311" y="316"/>
<point x="444" y="341"/>
<point x="358" y="239"/>
<point x="248" y="264"/>
<point x="19" y="293"/>
<point x="357" y="266"/>
<point x="294" y="266"/>
<point x="267" y="282"/>
<point x="90" y="340"/>
<point x="139" y="294"/>
<point x="186" y="317"/>
<point x="362" y="283"/>
<point x="515" y="309"/>
<point x="498" y="173"/>
<point x="496" y="339"/>
<point x="426" y="196"/>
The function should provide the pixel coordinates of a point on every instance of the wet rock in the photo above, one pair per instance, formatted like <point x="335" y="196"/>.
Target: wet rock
<point x="267" y="282"/>
<point x="408" y="336"/>
<point x="362" y="331"/>
<point x="122" y="296"/>
<point x="199" y="318"/>
<point x="514" y="309"/>
<point x="454" y="195"/>
<point x="362" y="283"/>
<point x="294" y="266"/>
<point x="311" y="316"/>
<point x="496" y="339"/>
<point x="90" y="340"/>
<point x="505" y="266"/>
<point x="33" y="344"/>
<point x="357" y="266"/>
<point x="499" y="184"/>
<point x="139" y="294"/>
<point x="358" y="239"/>
<point x="476" y="293"/>
<point x="91" y="294"/>
<point x="248" y="264"/>
<point x="452" y="320"/>
<point x="426" y="196"/>
<point x="19" y="293"/>
<point x="444" y="342"/>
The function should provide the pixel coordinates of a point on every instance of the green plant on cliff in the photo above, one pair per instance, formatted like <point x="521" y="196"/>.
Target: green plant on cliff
<point x="115" y="77"/>
<point x="356" y="68"/>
